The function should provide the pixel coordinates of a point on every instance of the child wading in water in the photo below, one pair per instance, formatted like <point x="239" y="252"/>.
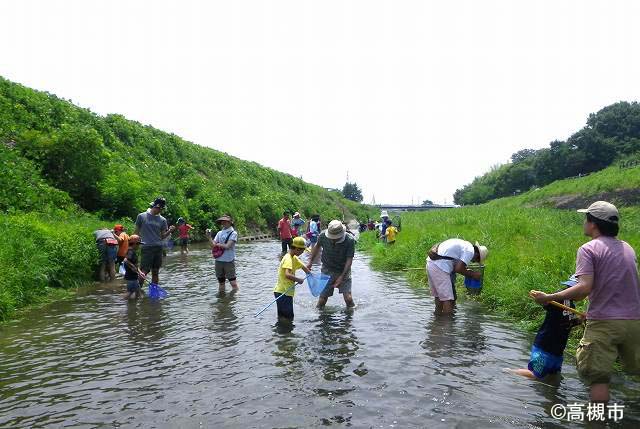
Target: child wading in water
<point x="132" y="276"/>
<point x="551" y="340"/>
<point x="289" y="264"/>
<point x="183" y="229"/>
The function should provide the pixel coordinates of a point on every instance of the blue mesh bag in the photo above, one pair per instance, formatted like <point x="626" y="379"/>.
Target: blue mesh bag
<point x="317" y="283"/>
<point x="156" y="292"/>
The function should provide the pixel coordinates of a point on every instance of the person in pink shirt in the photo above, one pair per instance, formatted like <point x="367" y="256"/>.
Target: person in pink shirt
<point x="183" y="230"/>
<point x="284" y="229"/>
<point x="607" y="273"/>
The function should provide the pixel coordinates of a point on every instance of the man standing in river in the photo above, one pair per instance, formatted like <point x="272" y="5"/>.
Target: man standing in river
<point x="284" y="229"/>
<point x="608" y="274"/>
<point x="152" y="228"/>
<point x="338" y="249"/>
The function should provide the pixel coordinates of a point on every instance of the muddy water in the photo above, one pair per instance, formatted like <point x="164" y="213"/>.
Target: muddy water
<point x="198" y="360"/>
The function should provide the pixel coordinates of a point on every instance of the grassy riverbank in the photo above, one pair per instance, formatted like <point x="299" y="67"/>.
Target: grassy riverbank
<point x="68" y="171"/>
<point x="43" y="257"/>
<point x="529" y="248"/>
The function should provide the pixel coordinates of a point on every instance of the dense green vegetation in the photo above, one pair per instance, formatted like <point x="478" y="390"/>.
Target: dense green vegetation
<point x="611" y="134"/>
<point x="67" y="171"/>
<point x="529" y="247"/>
<point x="114" y="167"/>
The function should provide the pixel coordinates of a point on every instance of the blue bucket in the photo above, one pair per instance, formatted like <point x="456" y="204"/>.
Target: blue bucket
<point x="317" y="283"/>
<point x="472" y="283"/>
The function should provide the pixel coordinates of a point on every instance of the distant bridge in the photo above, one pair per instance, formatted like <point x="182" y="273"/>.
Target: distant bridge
<point x="412" y="208"/>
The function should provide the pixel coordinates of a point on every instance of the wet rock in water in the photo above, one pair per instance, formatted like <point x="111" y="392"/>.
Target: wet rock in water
<point x="361" y="370"/>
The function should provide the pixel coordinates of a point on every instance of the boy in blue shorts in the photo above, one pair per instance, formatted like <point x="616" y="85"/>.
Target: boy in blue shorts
<point x="132" y="275"/>
<point x="551" y="340"/>
<point x="289" y="264"/>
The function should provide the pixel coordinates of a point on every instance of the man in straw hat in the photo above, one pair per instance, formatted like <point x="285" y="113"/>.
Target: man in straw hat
<point x="338" y="249"/>
<point x="444" y="261"/>
<point x="225" y="240"/>
<point x="607" y="273"/>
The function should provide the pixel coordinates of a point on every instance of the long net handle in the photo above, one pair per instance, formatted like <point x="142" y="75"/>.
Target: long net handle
<point x="281" y="295"/>
<point x="564" y="307"/>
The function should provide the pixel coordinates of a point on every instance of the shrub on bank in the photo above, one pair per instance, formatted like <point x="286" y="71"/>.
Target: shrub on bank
<point x="43" y="251"/>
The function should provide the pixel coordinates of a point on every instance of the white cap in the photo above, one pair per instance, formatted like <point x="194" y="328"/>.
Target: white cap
<point x="602" y="210"/>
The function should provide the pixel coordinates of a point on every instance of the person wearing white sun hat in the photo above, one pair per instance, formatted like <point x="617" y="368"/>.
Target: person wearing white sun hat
<point x="446" y="259"/>
<point x="338" y="249"/>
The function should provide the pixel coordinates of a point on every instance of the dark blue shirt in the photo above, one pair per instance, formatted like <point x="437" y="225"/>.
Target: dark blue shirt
<point x="133" y="258"/>
<point x="554" y="332"/>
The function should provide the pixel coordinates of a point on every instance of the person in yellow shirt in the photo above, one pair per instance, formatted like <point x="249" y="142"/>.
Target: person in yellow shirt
<point x="391" y="232"/>
<point x="287" y="279"/>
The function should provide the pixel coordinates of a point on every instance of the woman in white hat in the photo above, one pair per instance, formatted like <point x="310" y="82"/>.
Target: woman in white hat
<point x="223" y="247"/>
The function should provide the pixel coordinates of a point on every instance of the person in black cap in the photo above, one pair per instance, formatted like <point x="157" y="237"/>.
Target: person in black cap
<point x="152" y="228"/>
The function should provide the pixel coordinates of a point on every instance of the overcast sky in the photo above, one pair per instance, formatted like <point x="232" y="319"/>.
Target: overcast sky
<point x="412" y="98"/>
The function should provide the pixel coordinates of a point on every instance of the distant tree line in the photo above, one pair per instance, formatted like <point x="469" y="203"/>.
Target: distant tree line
<point x="610" y="134"/>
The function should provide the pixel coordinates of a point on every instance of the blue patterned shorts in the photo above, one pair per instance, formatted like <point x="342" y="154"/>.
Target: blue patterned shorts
<point x="542" y="363"/>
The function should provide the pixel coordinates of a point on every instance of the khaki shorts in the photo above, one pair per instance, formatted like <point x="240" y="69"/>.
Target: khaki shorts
<point x="225" y="271"/>
<point x="604" y="341"/>
<point x="440" y="283"/>
<point x="345" y="286"/>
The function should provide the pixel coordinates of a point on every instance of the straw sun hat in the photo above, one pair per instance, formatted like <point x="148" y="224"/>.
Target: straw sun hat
<point x="336" y="230"/>
<point x="482" y="250"/>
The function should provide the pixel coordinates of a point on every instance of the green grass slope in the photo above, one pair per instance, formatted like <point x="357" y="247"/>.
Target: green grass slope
<point x="113" y="167"/>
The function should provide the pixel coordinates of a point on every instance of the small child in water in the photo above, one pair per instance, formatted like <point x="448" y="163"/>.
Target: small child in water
<point x="551" y="340"/>
<point x="132" y="276"/>
<point x="289" y="264"/>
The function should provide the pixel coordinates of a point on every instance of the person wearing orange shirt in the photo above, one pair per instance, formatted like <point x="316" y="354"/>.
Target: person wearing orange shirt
<point x="123" y="242"/>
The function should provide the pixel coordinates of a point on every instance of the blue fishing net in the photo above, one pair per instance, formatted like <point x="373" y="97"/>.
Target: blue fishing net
<point x="317" y="282"/>
<point x="156" y="292"/>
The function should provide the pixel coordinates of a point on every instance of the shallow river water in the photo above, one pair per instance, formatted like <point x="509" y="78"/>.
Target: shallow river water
<point x="198" y="360"/>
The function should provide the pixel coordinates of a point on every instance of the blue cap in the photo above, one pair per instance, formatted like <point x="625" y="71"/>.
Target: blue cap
<point x="573" y="280"/>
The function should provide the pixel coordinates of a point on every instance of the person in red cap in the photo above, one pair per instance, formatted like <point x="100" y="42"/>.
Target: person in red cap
<point x="123" y="242"/>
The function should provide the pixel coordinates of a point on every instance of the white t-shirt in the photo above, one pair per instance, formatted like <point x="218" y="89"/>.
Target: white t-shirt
<point x="456" y="248"/>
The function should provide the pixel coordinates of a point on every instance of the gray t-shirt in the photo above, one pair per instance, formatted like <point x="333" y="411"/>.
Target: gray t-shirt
<point x="334" y="256"/>
<point x="103" y="234"/>
<point x="150" y="228"/>
<point x="229" y="254"/>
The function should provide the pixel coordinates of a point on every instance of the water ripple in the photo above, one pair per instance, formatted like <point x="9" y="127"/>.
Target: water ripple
<point x="199" y="360"/>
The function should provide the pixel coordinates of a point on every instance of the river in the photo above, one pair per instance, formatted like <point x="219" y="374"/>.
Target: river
<point x="199" y="360"/>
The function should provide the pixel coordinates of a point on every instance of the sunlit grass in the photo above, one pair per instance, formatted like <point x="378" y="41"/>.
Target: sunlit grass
<point x="529" y="248"/>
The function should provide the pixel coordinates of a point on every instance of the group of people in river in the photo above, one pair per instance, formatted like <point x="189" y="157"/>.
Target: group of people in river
<point x="385" y="229"/>
<point x="289" y="228"/>
<point x="606" y="274"/>
<point x="151" y="233"/>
